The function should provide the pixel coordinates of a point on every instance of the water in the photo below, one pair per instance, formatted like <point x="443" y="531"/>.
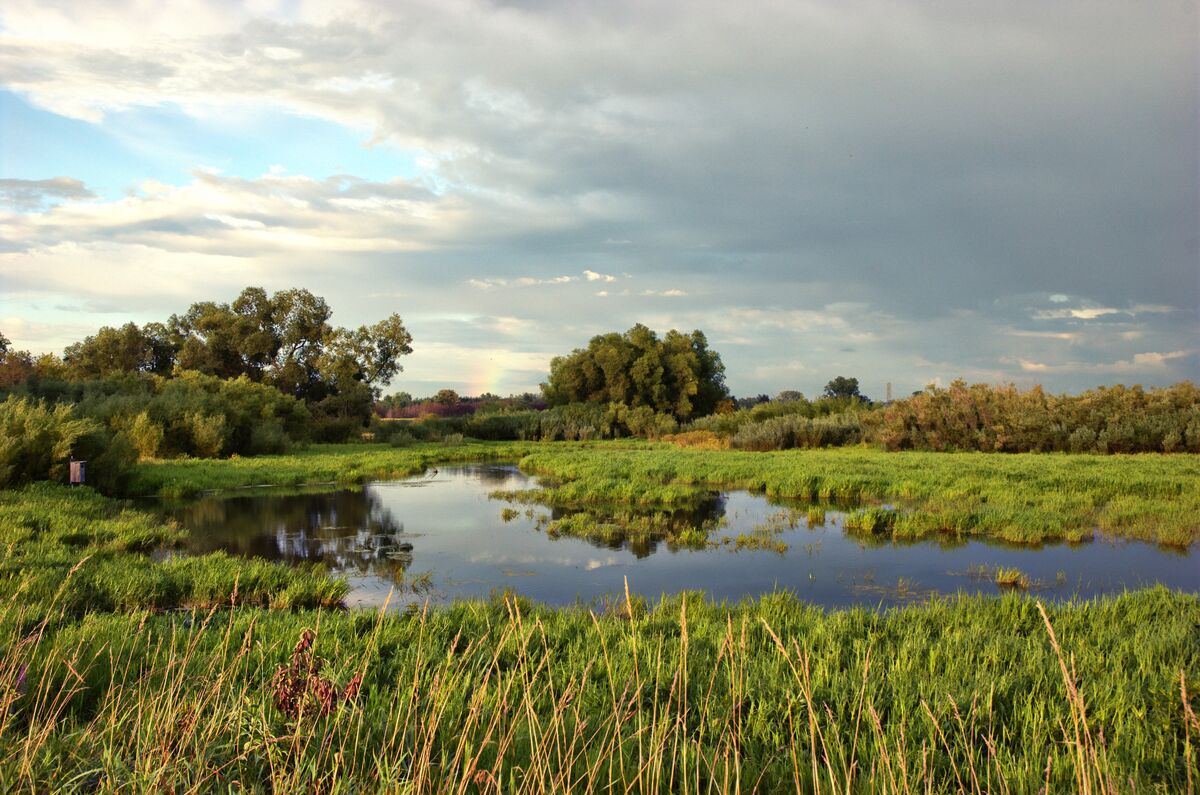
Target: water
<point x="442" y="537"/>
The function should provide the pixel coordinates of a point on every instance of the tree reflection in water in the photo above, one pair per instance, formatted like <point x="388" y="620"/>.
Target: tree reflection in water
<point x="350" y="531"/>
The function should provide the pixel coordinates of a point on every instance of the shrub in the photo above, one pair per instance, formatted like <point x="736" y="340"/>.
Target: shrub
<point x="146" y="435"/>
<point x="699" y="440"/>
<point x="782" y="433"/>
<point x="1115" y="419"/>
<point x="36" y="441"/>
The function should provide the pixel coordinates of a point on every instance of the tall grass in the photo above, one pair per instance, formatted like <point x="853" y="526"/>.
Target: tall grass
<point x="973" y="695"/>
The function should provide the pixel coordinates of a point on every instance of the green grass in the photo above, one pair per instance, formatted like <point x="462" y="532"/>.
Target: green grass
<point x="1020" y="498"/>
<point x="968" y="694"/>
<point x="322" y="464"/>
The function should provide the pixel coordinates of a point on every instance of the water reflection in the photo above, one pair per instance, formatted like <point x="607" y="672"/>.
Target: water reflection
<point x="447" y="527"/>
<point x="352" y="531"/>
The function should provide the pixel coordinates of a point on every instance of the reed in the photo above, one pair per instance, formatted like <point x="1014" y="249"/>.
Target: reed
<point x="972" y="695"/>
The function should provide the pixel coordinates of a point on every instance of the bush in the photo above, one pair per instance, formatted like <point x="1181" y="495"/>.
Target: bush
<point x="699" y="440"/>
<point x="37" y="441"/>
<point x="783" y="433"/>
<point x="1114" y="419"/>
<point x="644" y="421"/>
<point x="146" y="435"/>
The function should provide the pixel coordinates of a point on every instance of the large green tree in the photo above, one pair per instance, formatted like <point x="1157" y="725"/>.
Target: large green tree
<point x="676" y="374"/>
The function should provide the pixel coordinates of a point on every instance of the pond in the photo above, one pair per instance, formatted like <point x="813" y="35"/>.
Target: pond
<point x="445" y="536"/>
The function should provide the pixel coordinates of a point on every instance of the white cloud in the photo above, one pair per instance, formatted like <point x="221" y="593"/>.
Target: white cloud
<point x="593" y="276"/>
<point x="520" y="281"/>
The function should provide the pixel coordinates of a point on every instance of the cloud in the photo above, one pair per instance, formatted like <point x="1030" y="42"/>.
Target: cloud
<point x="520" y="281"/>
<point x="34" y="194"/>
<point x="1093" y="312"/>
<point x="1143" y="363"/>
<point x="874" y="185"/>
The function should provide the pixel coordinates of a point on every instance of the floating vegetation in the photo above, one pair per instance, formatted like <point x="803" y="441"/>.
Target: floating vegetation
<point x="1006" y="577"/>
<point x="904" y="590"/>
<point x="1010" y="578"/>
<point x="618" y="527"/>
<point x="766" y="535"/>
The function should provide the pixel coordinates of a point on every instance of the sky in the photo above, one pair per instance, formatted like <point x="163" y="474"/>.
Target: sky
<point x="905" y="192"/>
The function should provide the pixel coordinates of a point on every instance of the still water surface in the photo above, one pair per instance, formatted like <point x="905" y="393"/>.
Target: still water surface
<point x="441" y="537"/>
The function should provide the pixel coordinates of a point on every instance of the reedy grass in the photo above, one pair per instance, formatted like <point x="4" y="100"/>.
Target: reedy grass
<point x="966" y="694"/>
<point x="1008" y="577"/>
<point x="1019" y="498"/>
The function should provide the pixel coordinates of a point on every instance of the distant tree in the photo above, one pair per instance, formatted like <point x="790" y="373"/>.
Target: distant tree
<point x="369" y="355"/>
<point x="446" y="397"/>
<point x="789" y="396"/>
<point x="751" y="402"/>
<point x="398" y="400"/>
<point x="845" y="388"/>
<point x="15" y="366"/>
<point x="677" y="374"/>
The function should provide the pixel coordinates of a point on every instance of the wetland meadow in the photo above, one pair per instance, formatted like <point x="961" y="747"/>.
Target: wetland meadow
<point x="528" y="617"/>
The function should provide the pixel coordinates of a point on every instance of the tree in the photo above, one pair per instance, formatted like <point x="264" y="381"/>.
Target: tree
<point x="845" y="388"/>
<point x="446" y="397"/>
<point x="399" y="400"/>
<point x="789" y="396"/>
<point x="677" y="374"/>
<point x="368" y="355"/>
<point x="111" y="351"/>
<point x="751" y="402"/>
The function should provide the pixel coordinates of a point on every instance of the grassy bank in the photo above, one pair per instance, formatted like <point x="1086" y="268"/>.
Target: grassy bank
<point x="968" y="694"/>
<point x="1021" y="498"/>
<point x="322" y="463"/>
<point x="83" y="553"/>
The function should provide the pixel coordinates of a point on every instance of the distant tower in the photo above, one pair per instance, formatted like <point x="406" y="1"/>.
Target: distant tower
<point x="889" y="391"/>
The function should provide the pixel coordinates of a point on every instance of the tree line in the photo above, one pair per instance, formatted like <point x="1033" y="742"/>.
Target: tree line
<point x="283" y="341"/>
<point x="267" y="371"/>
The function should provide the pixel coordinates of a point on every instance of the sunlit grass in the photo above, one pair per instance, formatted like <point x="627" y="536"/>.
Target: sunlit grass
<point x="969" y="694"/>
<point x="1020" y="498"/>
